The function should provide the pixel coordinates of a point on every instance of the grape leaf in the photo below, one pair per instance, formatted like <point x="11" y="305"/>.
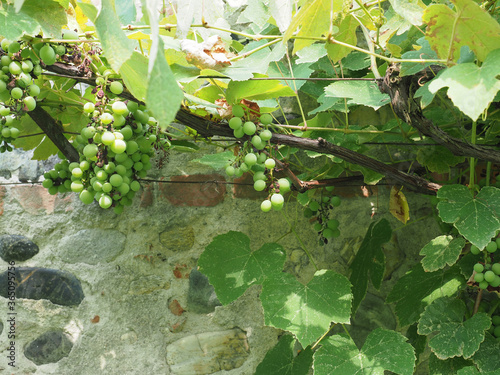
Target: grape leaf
<point x="281" y="360"/>
<point x="217" y="161"/>
<point x="256" y="12"/>
<point x="486" y="358"/>
<point x="306" y="310"/>
<point x="471" y="88"/>
<point x="117" y="47"/>
<point x="346" y="34"/>
<point x="133" y="72"/>
<point x="469" y="370"/>
<point x="232" y="267"/>
<point x="51" y="19"/>
<point x="438" y="158"/>
<point x="466" y="25"/>
<point x="369" y="260"/>
<point x="418" y="288"/>
<point x="455" y="336"/>
<point x="13" y="24"/>
<point x="424" y="52"/>
<point x="446" y="367"/>
<point x="441" y="251"/>
<point x="356" y="61"/>
<point x="126" y="11"/>
<point x="358" y="92"/>
<point x="410" y="10"/>
<point x="310" y="54"/>
<point x="281" y="10"/>
<point x="382" y="350"/>
<point x="477" y="219"/>
<point x="163" y="95"/>
<point x="256" y="90"/>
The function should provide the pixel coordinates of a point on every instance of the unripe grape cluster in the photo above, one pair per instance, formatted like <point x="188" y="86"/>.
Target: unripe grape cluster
<point x="319" y="212"/>
<point x="495" y="327"/>
<point x="487" y="274"/>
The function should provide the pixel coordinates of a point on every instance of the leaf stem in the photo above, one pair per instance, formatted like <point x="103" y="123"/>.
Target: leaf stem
<point x="472" y="161"/>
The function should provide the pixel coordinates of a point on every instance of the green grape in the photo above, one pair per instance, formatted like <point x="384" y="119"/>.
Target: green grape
<point x="138" y="166"/>
<point x="266" y="135"/>
<point x="489" y="276"/>
<point x="250" y="159"/>
<point x="107" y="138"/>
<point x="30" y="103"/>
<point x="235" y="123"/>
<point x="106" y="118"/>
<point x="118" y="146"/>
<point x="127" y="132"/>
<point x="105" y="201"/>
<point x="257" y="142"/>
<point x="328" y="233"/>
<point x="118" y="209"/>
<point x="266" y="205"/>
<point x="37" y="70"/>
<point x="118" y="121"/>
<point x="230" y="170"/>
<point x="270" y="164"/>
<point x="330" y="188"/>
<point x="496" y="331"/>
<point x="124" y="188"/>
<point x="491" y="247"/>
<point x="249" y="128"/>
<point x="5" y="60"/>
<point x="47" y="183"/>
<point x="120" y="108"/>
<point x="34" y="90"/>
<point x="89" y="107"/>
<point x="284" y="185"/>
<point x="77" y="172"/>
<point x="84" y="165"/>
<point x="277" y="201"/>
<point x="244" y="167"/>
<point x="132" y="106"/>
<point x="60" y="50"/>
<point x="15" y="68"/>
<point x="88" y="132"/>
<point x="90" y="150"/>
<point x="308" y="213"/>
<point x="497" y="240"/>
<point x="479" y="277"/>
<point x="314" y="206"/>
<point x="76" y="186"/>
<point x="317" y="227"/>
<point x="483" y="285"/>
<point x="48" y="55"/>
<point x="259" y="185"/>
<point x="53" y="190"/>
<point x="14" y="47"/>
<point x="70" y="35"/>
<point x="332" y="224"/>
<point x="495" y="319"/>
<point x="266" y="119"/>
<point x="238" y="111"/>
<point x="101" y="175"/>
<point x="239" y="133"/>
<point x="478" y="267"/>
<point x="140" y="116"/>
<point x="474" y="250"/>
<point x="135" y="185"/>
<point x="86" y="196"/>
<point x="107" y="187"/>
<point x="16" y="93"/>
<point x="496" y="268"/>
<point x="116" y="88"/>
<point x="6" y="133"/>
<point x="335" y="201"/>
<point x="3" y="86"/>
<point x="259" y="176"/>
<point x="5" y="44"/>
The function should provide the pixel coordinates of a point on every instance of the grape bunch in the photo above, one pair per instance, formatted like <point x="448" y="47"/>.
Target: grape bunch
<point x="259" y="132"/>
<point x="487" y="275"/>
<point x="490" y="248"/>
<point x="495" y="327"/>
<point x="319" y="212"/>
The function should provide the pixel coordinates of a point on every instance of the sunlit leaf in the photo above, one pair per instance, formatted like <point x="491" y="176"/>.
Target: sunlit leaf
<point x="441" y="251"/>
<point x="398" y="205"/>
<point x="358" y="92"/>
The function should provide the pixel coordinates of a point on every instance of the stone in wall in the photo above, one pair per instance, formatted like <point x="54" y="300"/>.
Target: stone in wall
<point x="201" y="295"/>
<point x="208" y="352"/>
<point x="1" y="328"/>
<point x="49" y="347"/>
<point x="180" y="238"/>
<point x="59" y="287"/>
<point x="92" y="246"/>
<point x="17" y="248"/>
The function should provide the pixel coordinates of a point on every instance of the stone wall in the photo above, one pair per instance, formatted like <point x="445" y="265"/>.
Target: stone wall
<point x="108" y="294"/>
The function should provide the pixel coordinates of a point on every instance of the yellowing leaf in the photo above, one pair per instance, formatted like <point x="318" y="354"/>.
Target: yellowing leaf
<point x="139" y="35"/>
<point x="467" y="25"/>
<point x="398" y="205"/>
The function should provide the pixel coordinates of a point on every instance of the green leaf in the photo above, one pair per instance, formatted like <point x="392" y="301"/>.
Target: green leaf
<point x="441" y="251"/>
<point x="163" y="96"/>
<point x="470" y="370"/>
<point x="486" y="358"/>
<point x="446" y="367"/>
<point x="306" y="310"/>
<point x="255" y="12"/>
<point x="358" y="92"/>
<point x="217" y="161"/>
<point x="133" y="72"/>
<point x="475" y="218"/>
<point x="13" y="24"/>
<point x="51" y="19"/>
<point x="425" y="52"/>
<point x="437" y="158"/>
<point x="311" y="53"/>
<point x="281" y="360"/>
<point x="455" y="337"/>
<point x="232" y="267"/>
<point x="418" y="288"/>
<point x="356" y="61"/>
<point x="126" y="11"/>
<point x="466" y="25"/>
<point x="382" y="350"/>
<point x="369" y="261"/>
<point x="346" y="34"/>
<point x="471" y="88"/>
<point x="410" y="10"/>
<point x="117" y="47"/>
<point x="256" y="90"/>
<point x="89" y="10"/>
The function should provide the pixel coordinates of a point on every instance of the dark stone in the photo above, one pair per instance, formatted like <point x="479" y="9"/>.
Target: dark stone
<point x="201" y="295"/>
<point x="59" y="287"/>
<point x="49" y="347"/>
<point x="1" y="328"/>
<point x="17" y="248"/>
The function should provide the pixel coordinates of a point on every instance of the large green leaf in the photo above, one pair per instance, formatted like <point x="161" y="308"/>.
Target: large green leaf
<point x="477" y="219"/>
<point x="133" y="72"/>
<point x="471" y="88"/>
<point x="486" y="358"/>
<point x="358" y="92"/>
<point x="217" y="161"/>
<point x="163" y="96"/>
<point x="14" y="24"/>
<point x="441" y="251"/>
<point x="281" y="360"/>
<point x="346" y="34"/>
<point x="117" y="47"/>
<point x="369" y="261"/>
<point x="466" y="25"/>
<point x="232" y="267"/>
<point x="410" y="10"/>
<point x="382" y="350"/>
<point x="455" y="336"/>
<point x="418" y="288"/>
<point x="256" y="90"/>
<point x="425" y="52"/>
<point x="306" y="310"/>
<point x="51" y="19"/>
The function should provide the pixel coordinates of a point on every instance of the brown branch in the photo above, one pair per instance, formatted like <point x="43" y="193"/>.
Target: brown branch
<point x="54" y="132"/>
<point x="401" y="90"/>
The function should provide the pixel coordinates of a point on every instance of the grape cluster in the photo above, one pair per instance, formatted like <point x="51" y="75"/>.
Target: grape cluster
<point x="487" y="274"/>
<point x="18" y="91"/>
<point x="495" y="328"/>
<point x="319" y="211"/>
<point x="490" y="248"/>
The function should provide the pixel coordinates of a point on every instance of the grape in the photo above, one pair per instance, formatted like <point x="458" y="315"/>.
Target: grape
<point x="6" y="133"/>
<point x="266" y="119"/>
<point x="483" y="285"/>
<point x="495" y="319"/>
<point x="140" y="116"/>
<point x="496" y="268"/>
<point x="239" y="133"/>
<point x="258" y="143"/>
<point x="235" y="123"/>
<point x="284" y="185"/>
<point x="48" y="55"/>
<point x="314" y="206"/>
<point x="37" y="70"/>
<point x="86" y="196"/>
<point x="14" y="133"/>
<point x="118" y="120"/>
<point x="250" y="159"/>
<point x="16" y="93"/>
<point x="34" y="90"/>
<point x="244" y="167"/>
<point x="478" y="267"/>
<point x="118" y="146"/>
<point x="489" y="276"/>
<point x="107" y="138"/>
<point x="496" y="331"/>
<point x="259" y="176"/>
<point x="5" y="44"/>
<point x="332" y="224"/>
<point x="106" y="118"/>
<point x="14" y="47"/>
<point x="70" y="35"/>
<point x="101" y="175"/>
<point x="497" y="240"/>
<point x="76" y="186"/>
<point x="88" y="132"/>
<point x="132" y="106"/>
<point x="266" y="135"/>
<point x="491" y="247"/>
<point x="116" y="87"/>
<point x="47" y="183"/>
<point x="3" y="86"/>
<point x="84" y="165"/>
<point x="328" y="233"/>
<point x="479" y="277"/>
<point x="270" y="164"/>
<point x="105" y="201"/>
<point x="238" y="111"/>
<point x="259" y="185"/>
<point x="230" y="171"/>
<point x="15" y="68"/>
<point x="335" y="201"/>
<point x="127" y="132"/>
<point x="249" y="128"/>
<point x="27" y="66"/>
<point x="90" y="150"/>
<point x="89" y="107"/>
<point x="277" y="201"/>
<point x="120" y="108"/>
<point x="266" y="205"/>
<point x="135" y="185"/>
<point x="474" y="250"/>
<point x="30" y="103"/>
<point x="317" y="227"/>
<point x="77" y="172"/>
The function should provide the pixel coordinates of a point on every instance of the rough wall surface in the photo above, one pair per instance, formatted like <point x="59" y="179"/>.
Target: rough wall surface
<point x="109" y="294"/>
